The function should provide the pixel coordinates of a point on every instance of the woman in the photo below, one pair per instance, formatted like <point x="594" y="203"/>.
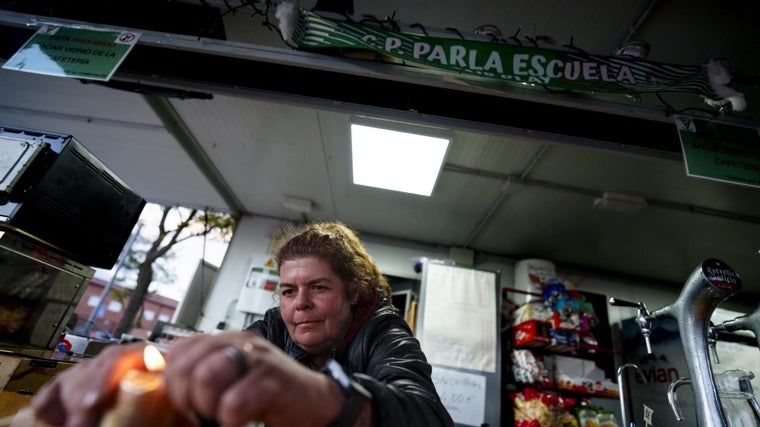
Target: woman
<point x="334" y="353"/>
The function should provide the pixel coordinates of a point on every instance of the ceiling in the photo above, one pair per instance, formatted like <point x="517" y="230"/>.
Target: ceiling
<point x="236" y="125"/>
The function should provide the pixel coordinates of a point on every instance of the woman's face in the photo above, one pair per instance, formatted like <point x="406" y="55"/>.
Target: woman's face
<point x="314" y="305"/>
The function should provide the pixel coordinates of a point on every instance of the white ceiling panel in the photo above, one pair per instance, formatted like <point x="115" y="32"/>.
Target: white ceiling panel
<point x="117" y="127"/>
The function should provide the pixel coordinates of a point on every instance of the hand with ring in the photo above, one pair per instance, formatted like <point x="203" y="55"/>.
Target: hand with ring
<point x="242" y="356"/>
<point x="239" y="377"/>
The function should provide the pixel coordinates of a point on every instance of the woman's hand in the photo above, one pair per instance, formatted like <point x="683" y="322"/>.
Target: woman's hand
<point x="78" y="396"/>
<point x="203" y="376"/>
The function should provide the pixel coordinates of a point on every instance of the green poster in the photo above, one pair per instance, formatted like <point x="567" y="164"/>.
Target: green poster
<point x="720" y="151"/>
<point x="73" y="52"/>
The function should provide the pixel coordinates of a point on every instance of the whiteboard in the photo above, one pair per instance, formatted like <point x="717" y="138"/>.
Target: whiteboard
<point x="459" y="330"/>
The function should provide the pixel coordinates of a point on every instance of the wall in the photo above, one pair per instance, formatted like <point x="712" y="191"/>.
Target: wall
<point x="396" y="258"/>
<point x="252" y="236"/>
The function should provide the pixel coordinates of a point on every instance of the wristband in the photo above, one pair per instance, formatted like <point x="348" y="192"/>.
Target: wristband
<point x="356" y="395"/>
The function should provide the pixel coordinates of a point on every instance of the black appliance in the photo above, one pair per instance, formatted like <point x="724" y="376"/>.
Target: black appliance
<point x="56" y="193"/>
<point x="39" y="291"/>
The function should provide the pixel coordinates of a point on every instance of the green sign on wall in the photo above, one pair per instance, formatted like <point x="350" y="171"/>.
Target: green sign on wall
<point x="720" y="151"/>
<point x="73" y="52"/>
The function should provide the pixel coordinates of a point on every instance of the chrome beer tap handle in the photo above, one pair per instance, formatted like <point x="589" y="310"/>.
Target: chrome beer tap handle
<point x="642" y="318"/>
<point x="711" y="282"/>
<point x="712" y="343"/>
<point x="748" y="322"/>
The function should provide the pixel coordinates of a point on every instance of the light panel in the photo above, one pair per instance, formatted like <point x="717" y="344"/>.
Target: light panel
<point x="405" y="160"/>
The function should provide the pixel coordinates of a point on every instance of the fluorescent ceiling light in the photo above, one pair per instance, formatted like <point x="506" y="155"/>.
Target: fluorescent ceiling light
<point x="623" y="203"/>
<point x="297" y="205"/>
<point x="406" y="160"/>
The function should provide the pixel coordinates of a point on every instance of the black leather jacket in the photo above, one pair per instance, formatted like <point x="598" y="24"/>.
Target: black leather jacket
<point x="386" y="359"/>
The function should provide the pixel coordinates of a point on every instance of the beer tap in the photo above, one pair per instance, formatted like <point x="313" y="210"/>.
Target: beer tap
<point x="673" y="397"/>
<point x="748" y="322"/>
<point x="709" y="284"/>
<point x="642" y="318"/>
<point x="621" y="391"/>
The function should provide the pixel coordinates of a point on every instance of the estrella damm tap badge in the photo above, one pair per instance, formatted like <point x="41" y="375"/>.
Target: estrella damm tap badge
<point x="720" y="275"/>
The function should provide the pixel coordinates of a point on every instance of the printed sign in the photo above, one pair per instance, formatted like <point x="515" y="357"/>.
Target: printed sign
<point x="258" y="293"/>
<point x="463" y="394"/>
<point x="73" y="52"/>
<point x="720" y="151"/>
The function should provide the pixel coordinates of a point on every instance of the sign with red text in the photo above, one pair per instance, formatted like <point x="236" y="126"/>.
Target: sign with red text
<point x="73" y="52"/>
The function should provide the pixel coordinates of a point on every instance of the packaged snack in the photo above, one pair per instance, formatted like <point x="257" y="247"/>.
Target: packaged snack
<point x="607" y="419"/>
<point x="587" y="416"/>
<point x="535" y="408"/>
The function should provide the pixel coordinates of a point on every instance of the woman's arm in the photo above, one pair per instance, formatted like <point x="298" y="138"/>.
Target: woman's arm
<point x="394" y="369"/>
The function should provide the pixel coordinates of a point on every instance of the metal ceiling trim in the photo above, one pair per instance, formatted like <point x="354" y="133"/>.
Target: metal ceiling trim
<point x="502" y="195"/>
<point x="177" y="127"/>
<point x="522" y="179"/>
<point x="634" y="29"/>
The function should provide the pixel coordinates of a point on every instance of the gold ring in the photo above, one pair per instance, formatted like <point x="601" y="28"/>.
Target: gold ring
<point x="243" y="356"/>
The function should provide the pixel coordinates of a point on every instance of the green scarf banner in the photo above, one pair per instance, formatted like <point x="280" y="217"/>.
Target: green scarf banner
<point x="564" y="69"/>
